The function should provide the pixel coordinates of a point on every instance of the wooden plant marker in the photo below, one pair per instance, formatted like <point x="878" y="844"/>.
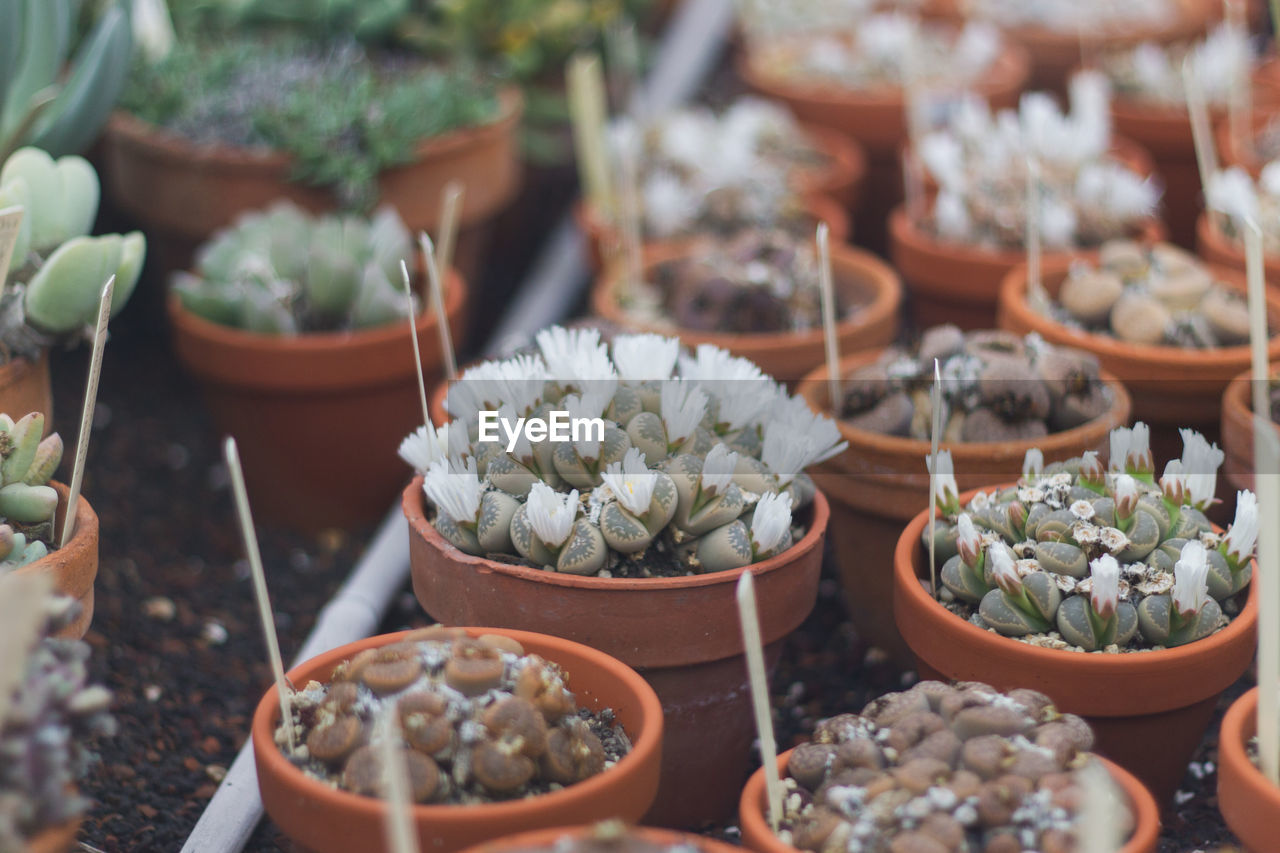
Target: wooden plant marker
<point x="450" y="209"/>
<point x="1201" y="130"/>
<point x="623" y="59"/>
<point x="1266" y="455"/>
<point x="10" y="225"/>
<point x="1099" y="821"/>
<point x="283" y="690"/>
<point x="22" y="615"/>
<point x="588" y="110"/>
<point x="829" y="316"/>
<point x="413" y="336"/>
<point x="401" y="837"/>
<point x="1035" y="281"/>
<point x="754" y="646"/>
<point x="435" y="276"/>
<point x="86" y="411"/>
<point x="935" y="432"/>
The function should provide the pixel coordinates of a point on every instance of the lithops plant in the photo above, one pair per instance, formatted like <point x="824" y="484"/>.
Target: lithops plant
<point x="1158" y="295"/>
<point x="44" y="737"/>
<point x="1152" y="73"/>
<point x="689" y="473"/>
<point x="980" y="162"/>
<point x="941" y="767"/>
<point x="480" y="721"/>
<point x="284" y="271"/>
<point x="997" y="386"/>
<point x="1086" y="556"/>
<point x="57" y="271"/>
<point x="28" y="503"/>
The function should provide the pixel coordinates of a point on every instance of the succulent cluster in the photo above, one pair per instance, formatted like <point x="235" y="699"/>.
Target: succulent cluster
<point x="1101" y="17"/>
<point x="693" y="473"/>
<point x="57" y="271"/>
<point x="42" y="737"/>
<point x="28" y="503"/>
<point x="996" y="386"/>
<point x="1152" y="73"/>
<point x="283" y="271"/>
<point x="478" y="720"/>
<point x="981" y="161"/>
<point x="1103" y="557"/>
<point x="1235" y="195"/>
<point x="941" y="767"/>
<point x="1157" y="295"/>
<point x="885" y="51"/>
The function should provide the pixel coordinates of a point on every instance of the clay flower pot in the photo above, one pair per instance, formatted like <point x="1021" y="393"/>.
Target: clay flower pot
<point x="757" y="836"/>
<point x="1171" y="386"/>
<point x="859" y="277"/>
<point x="55" y="839"/>
<point x="1266" y="96"/>
<point x="681" y="634"/>
<point x="880" y="482"/>
<point x="318" y="417"/>
<point x="547" y="839"/>
<point x="25" y="386"/>
<point x="1148" y="709"/>
<point x="1248" y="800"/>
<point x="1237" y="429"/>
<point x="329" y="820"/>
<point x="74" y="566"/>
<point x="1217" y="248"/>
<point x="958" y="283"/>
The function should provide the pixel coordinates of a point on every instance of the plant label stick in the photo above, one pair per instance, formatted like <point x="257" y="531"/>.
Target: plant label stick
<point x="434" y="275"/>
<point x="754" y="646"/>
<point x="22" y="614"/>
<point x="935" y="402"/>
<point x="413" y="336"/>
<point x="10" y="225"/>
<point x="588" y="111"/>
<point x="1201" y="133"/>
<point x="1035" y="284"/>
<point x="829" y="316"/>
<point x="450" y="208"/>
<point x="1255" y="279"/>
<point x="283" y="689"/>
<point x="86" y="410"/>
<point x="401" y="837"/>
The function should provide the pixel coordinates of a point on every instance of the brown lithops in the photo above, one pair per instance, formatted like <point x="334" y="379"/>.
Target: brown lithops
<point x="363" y="774"/>
<point x="539" y="683"/>
<point x="391" y="669"/>
<point x="1089" y="296"/>
<point x="518" y="722"/>
<point x="573" y="753"/>
<point x="500" y="768"/>
<point x="334" y="741"/>
<point x="473" y="667"/>
<point x="501" y="643"/>
<point x="424" y="723"/>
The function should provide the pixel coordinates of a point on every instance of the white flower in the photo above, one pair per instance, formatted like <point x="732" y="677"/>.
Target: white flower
<point x="454" y="490"/>
<point x="684" y="404"/>
<point x="1243" y="533"/>
<point x="425" y="445"/>
<point x="591" y="403"/>
<point x="1003" y="571"/>
<point x="631" y="482"/>
<point x="968" y="540"/>
<point x="1232" y="192"/>
<point x="1173" y="482"/>
<point x="517" y="381"/>
<point x="718" y="468"/>
<point x="770" y="521"/>
<point x="523" y="448"/>
<point x="945" y="491"/>
<point x="1033" y="463"/>
<point x="1190" y="579"/>
<point x="1200" y="461"/>
<point x="743" y="394"/>
<point x="1091" y="468"/>
<point x="575" y="355"/>
<point x="1104" y="594"/>
<point x="1131" y="449"/>
<point x="1269" y="179"/>
<point x="551" y="514"/>
<point x="640" y="358"/>
<point x="798" y="437"/>
<point x="1126" y="496"/>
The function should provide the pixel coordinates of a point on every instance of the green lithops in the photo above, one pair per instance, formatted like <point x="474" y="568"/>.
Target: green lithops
<point x="1082" y="555"/>
<point x="631" y="470"/>
<point x="28" y="503"/>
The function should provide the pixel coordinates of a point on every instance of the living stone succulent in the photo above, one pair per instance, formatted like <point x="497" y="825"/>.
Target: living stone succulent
<point x="27" y="502"/>
<point x="57" y="271"/>
<point x="43" y="751"/>
<point x="1152" y="73"/>
<point x="980" y="162"/>
<point x="688" y="473"/>
<point x="944" y="768"/>
<point x="284" y="271"/>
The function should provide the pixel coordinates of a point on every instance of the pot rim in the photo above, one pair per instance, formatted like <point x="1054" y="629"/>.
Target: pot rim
<point x="1238" y="725"/>
<point x="523" y="841"/>
<point x="83" y="538"/>
<point x="413" y="505"/>
<point x="1211" y="237"/>
<point x="1146" y="832"/>
<point x="644" y="748"/>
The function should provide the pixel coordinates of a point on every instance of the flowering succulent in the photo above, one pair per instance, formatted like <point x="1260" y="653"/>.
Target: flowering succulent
<point x="980" y="163"/>
<point x="688" y="463"/>
<point x="1081" y="556"/>
<point x="1152" y="73"/>
<point x="27" y="502"/>
<point x="1235" y="195"/>
<point x="42" y="749"/>
<point x="284" y="271"/>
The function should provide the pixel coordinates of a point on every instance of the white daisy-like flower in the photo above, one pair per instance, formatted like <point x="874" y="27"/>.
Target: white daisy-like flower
<point x="1104" y="592"/>
<point x="1003" y="571"/>
<point x="770" y="521"/>
<point x="1200" y="462"/>
<point x="717" y="469"/>
<point x="1190" y="579"/>
<point x="945" y="490"/>
<point x="814" y="438"/>
<point x="684" y="404"/>
<point x="1126" y="496"/>
<point x="968" y="540"/>
<point x="1173" y="482"/>
<point x="454" y="490"/>
<point x="1232" y="192"/>
<point x="631" y="482"/>
<point x="1243" y="533"/>
<point x="588" y="405"/>
<point x="575" y="355"/>
<point x="551" y="514"/>
<point x="1091" y="467"/>
<point x="425" y="445"/>
<point x="1033" y="463"/>
<point x="523" y="448"/>
<point x="640" y="358"/>
<point x="743" y="394"/>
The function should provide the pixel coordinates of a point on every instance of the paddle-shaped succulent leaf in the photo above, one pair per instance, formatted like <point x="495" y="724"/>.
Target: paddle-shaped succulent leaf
<point x="62" y="195"/>
<point x="64" y="294"/>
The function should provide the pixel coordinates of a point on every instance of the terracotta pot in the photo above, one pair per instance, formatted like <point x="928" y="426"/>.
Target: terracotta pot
<point x="25" y="387"/>
<point x="1171" y="386"/>
<point x="1249" y="802"/>
<point x="56" y="839"/>
<point x="681" y="634"/>
<point x="846" y="167"/>
<point x="880" y="482"/>
<point x="859" y="277"/>
<point x="1237" y="429"/>
<point x="757" y="836"/>
<point x="958" y="283"/>
<point x="329" y="820"/>
<point x="1217" y="248"/>
<point x="288" y="400"/>
<point x="74" y="566"/>
<point x="1148" y="709"/>
<point x="546" y="839"/>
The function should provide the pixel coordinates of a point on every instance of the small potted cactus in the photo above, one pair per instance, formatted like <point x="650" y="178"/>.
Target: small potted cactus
<point x="942" y="767"/>
<point x="955" y="251"/>
<point x="1233" y="197"/>
<point x="42" y="739"/>
<point x="630" y="536"/>
<point x="1100" y="585"/>
<point x="1003" y="395"/>
<point x="1174" y="329"/>
<point x="1247" y="799"/>
<point x="756" y="294"/>
<point x="502" y="731"/>
<point x="293" y="323"/>
<point x="57" y="272"/>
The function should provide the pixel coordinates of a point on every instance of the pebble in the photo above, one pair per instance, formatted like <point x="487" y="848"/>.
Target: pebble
<point x="215" y="633"/>
<point x="1090" y="296"/>
<point x="160" y="608"/>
